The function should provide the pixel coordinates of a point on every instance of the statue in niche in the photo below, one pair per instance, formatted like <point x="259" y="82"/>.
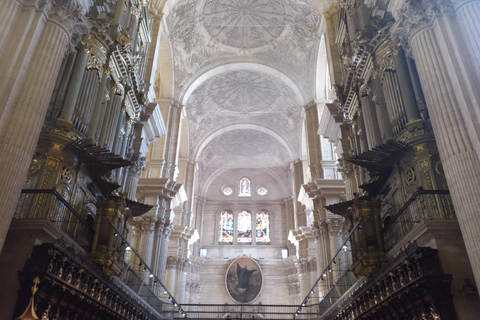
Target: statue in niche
<point x="244" y="280"/>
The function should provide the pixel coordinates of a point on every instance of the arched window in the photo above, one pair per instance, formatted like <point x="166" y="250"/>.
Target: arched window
<point x="245" y="190"/>
<point x="262" y="227"/>
<point x="226" y="227"/>
<point x="244" y="227"/>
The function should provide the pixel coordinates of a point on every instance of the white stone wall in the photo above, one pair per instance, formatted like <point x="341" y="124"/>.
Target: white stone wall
<point x="268" y="256"/>
<point x="212" y="282"/>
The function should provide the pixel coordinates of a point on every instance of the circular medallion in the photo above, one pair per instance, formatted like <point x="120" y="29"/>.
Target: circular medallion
<point x="244" y="280"/>
<point x="246" y="24"/>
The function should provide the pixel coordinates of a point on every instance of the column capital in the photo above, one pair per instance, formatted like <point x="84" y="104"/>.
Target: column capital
<point x="167" y="231"/>
<point x="172" y="262"/>
<point x="335" y="225"/>
<point x="148" y="225"/>
<point x="68" y="15"/>
<point x="416" y="15"/>
<point x="138" y="165"/>
<point x="311" y="105"/>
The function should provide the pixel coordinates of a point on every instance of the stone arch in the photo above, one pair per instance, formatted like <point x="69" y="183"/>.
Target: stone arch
<point x="194" y="84"/>
<point x="259" y="128"/>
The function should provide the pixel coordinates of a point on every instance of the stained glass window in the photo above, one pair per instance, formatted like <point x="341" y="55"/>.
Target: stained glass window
<point x="226" y="227"/>
<point x="244" y="188"/>
<point x="244" y="227"/>
<point x="262" y="227"/>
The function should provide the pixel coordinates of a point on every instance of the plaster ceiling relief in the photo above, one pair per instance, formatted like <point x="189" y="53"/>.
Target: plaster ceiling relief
<point x="242" y="96"/>
<point x="244" y="24"/>
<point x="244" y="91"/>
<point x="282" y="34"/>
<point x="244" y="149"/>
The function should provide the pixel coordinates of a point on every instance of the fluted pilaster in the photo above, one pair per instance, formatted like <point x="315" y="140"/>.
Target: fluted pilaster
<point x="427" y="28"/>
<point x="299" y="208"/>
<point x="30" y="68"/>
<point x="162" y="259"/>
<point x="187" y="207"/>
<point x="133" y="174"/>
<point x="172" y="140"/>
<point x="314" y="146"/>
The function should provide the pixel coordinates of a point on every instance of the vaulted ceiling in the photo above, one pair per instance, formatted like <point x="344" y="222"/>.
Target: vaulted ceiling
<point x="244" y="69"/>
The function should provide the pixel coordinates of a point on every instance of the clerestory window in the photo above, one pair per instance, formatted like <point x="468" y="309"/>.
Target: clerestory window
<point x="244" y="228"/>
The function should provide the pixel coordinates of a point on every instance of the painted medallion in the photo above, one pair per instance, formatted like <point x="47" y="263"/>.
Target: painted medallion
<point x="244" y="280"/>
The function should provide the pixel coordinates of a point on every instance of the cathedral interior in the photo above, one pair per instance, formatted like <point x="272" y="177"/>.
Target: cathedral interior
<point x="240" y="159"/>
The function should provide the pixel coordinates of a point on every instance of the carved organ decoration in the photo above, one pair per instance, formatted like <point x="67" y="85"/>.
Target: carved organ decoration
<point x="388" y="150"/>
<point x="74" y="180"/>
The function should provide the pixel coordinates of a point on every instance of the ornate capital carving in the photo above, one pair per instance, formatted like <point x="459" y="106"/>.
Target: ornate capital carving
<point x="148" y="225"/>
<point x="67" y="14"/>
<point x="167" y="231"/>
<point x="171" y="262"/>
<point x="416" y="15"/>
<point x="335" y="226"/>
<point x="138" y="165"/>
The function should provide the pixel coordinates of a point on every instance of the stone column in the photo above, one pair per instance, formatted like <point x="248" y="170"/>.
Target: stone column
<point x="136" y="237"/>
<point x="299" y="208"/>
<point x="145" y="244"/>
<point x="187" y="207"/>
<point x="451" y="94"/>
<point x="162" y="254"/>
<point x="303" y="276"/>
<point x="29" y="70"/>
<point x="181" y="281"/>
<point x="171" y="142"/>
<point x="289" y="214"/>
<point x="171" y="274"/>
<point x="157" y="244"/>
<point x="314" y="147"/>
<point x="188" y="289"/>
<point x="312" y="268"/>
<point x="133" y="174"/>
<point x="200" y="205"/>
<point x="335" y="233"/>
<point x="322" y="252"/>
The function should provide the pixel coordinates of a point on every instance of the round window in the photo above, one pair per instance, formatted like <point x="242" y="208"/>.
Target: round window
<point x="227" y="191"/>
<point x="262" y="191"/>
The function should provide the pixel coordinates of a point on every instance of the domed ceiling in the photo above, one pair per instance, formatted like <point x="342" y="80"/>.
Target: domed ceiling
<point x="244" y="117"/>
<point x="244" y="97"/>
<point x="282" y="34"/>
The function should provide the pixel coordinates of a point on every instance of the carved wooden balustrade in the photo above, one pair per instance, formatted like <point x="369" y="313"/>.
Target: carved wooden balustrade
<point x="411" y="286"/>
<point x="73" y="287"/>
